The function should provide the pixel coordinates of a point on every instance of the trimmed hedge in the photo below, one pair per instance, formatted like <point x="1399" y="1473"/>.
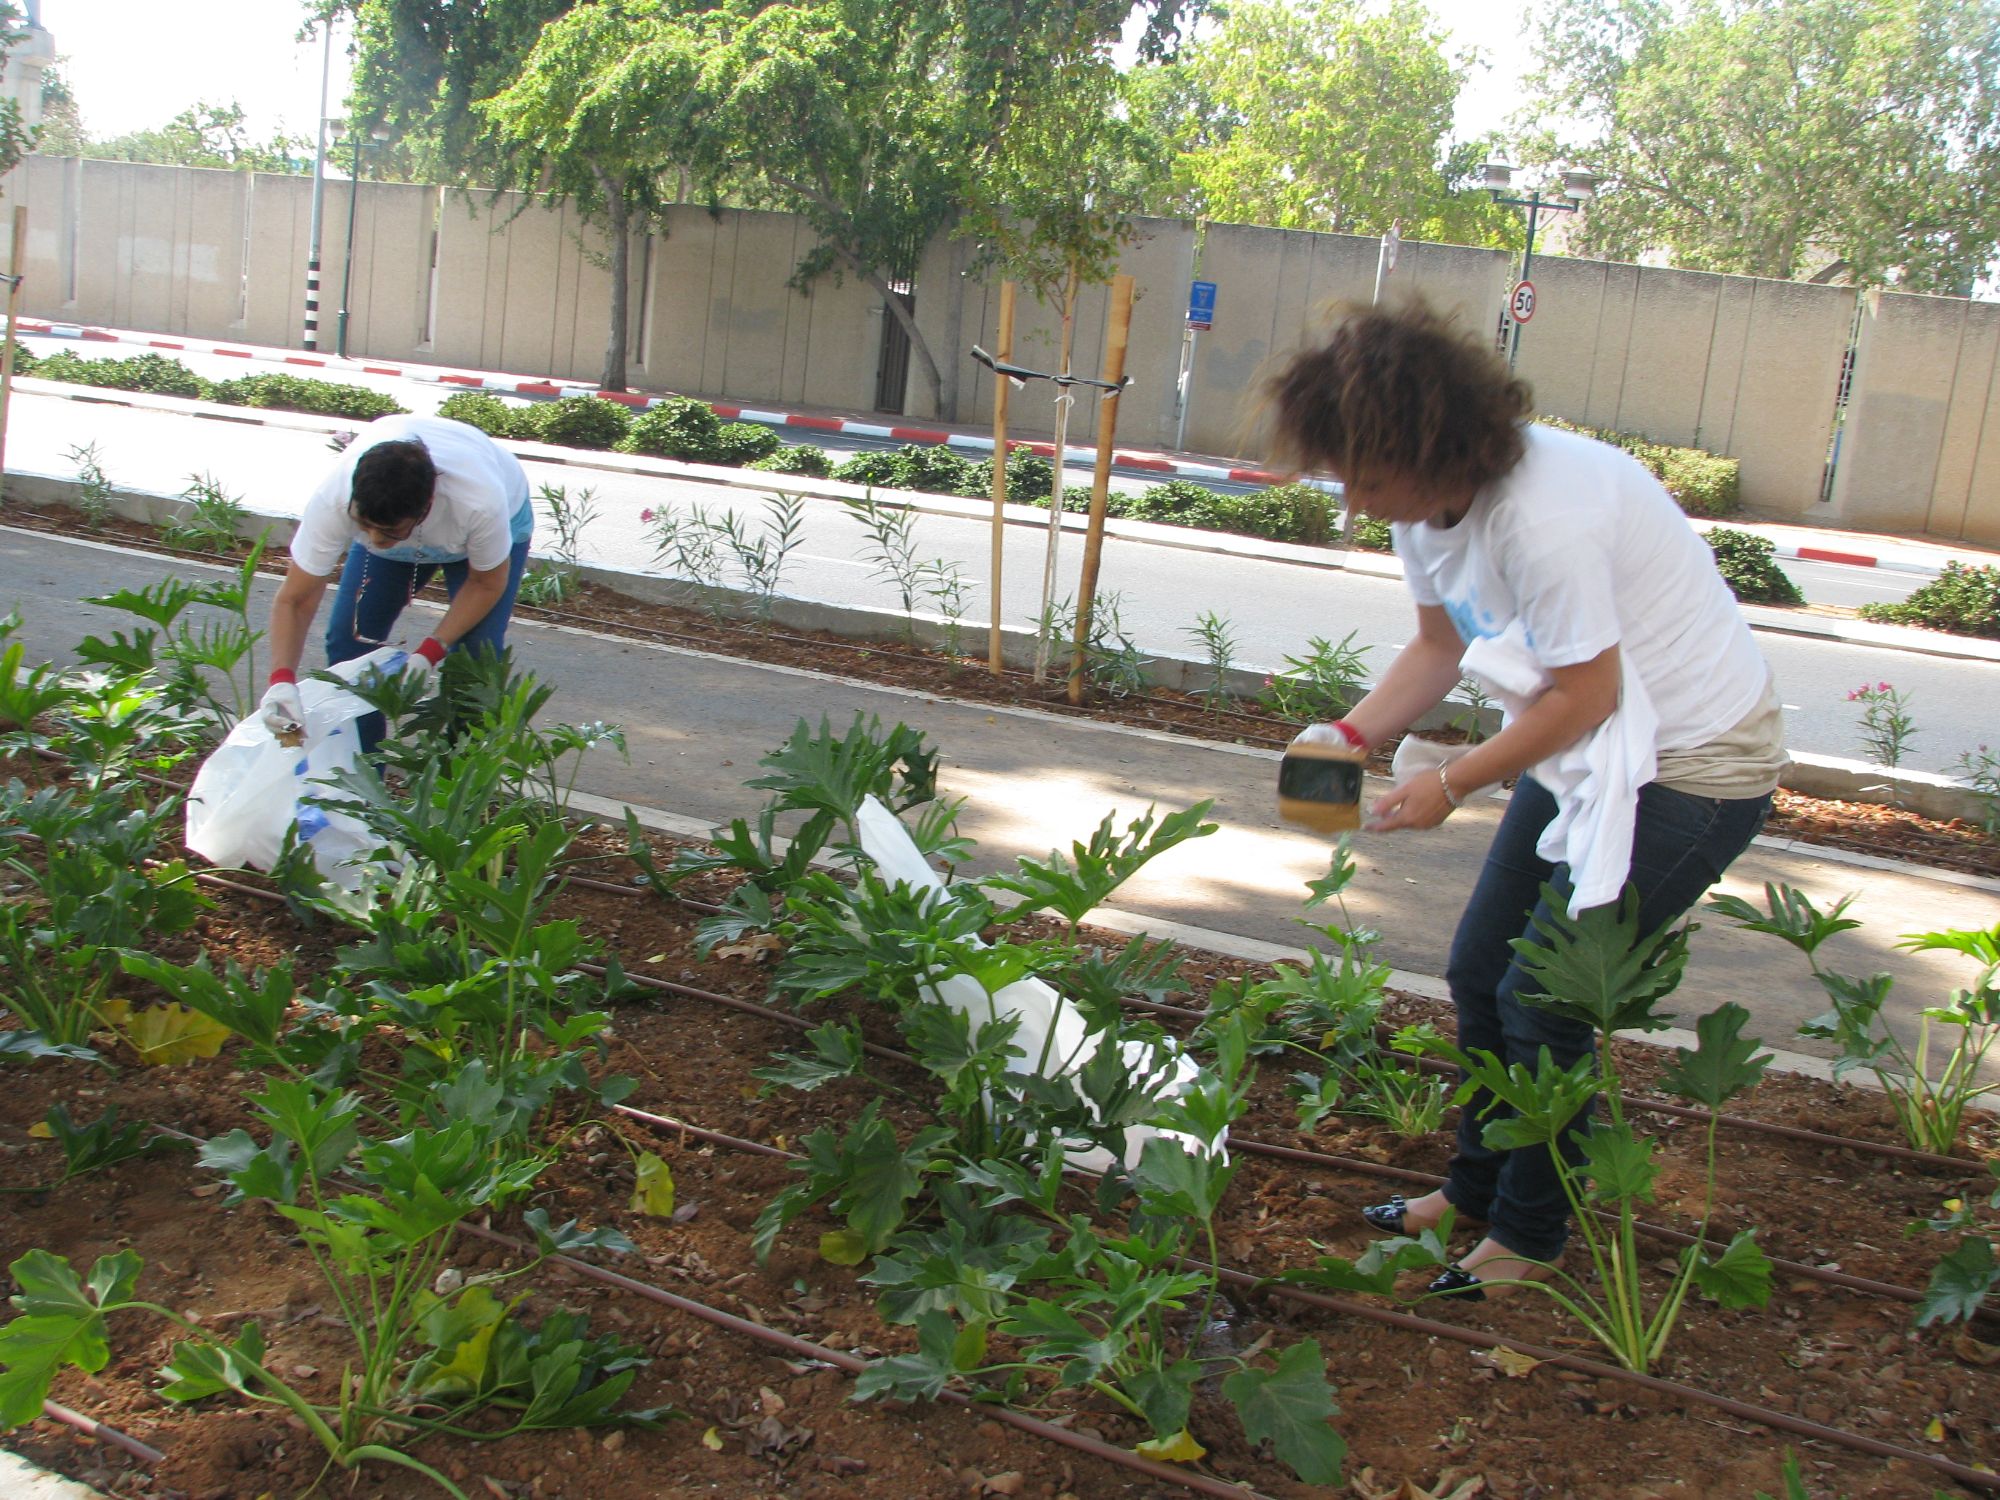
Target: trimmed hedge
<point x="674" y="428"/>
<point x="1748" y="564"/>
<point x="322" y="398"/>
<point x="489" y="414"/>
<point x="1963" y="600"/>
<point x="574" y="422"/>
<point x="816" y="463"/>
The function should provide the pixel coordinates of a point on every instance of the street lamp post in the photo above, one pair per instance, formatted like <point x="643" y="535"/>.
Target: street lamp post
<point x="379" y="133"/>
<point x="1578" y="188"/>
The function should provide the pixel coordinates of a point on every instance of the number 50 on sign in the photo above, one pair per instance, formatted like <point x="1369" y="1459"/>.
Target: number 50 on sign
<point x="1521" y="301"/>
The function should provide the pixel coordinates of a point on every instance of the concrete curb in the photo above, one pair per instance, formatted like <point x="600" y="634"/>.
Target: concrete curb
<point x="21" y="1480"/>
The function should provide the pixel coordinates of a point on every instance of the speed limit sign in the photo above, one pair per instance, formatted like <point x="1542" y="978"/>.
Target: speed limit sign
<point x="1521" y="301"/>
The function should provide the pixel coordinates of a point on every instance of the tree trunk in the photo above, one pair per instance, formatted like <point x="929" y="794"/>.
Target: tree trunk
<point x="926" y="365"/>
<point x="618" y="226"/>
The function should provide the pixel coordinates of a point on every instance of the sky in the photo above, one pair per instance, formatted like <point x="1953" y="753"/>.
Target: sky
<point x="134" y="64"/>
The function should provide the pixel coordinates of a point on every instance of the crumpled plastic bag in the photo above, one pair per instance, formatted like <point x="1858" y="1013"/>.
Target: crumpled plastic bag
<point x="1164" y="1071"/>
<point x="254" y="787"/>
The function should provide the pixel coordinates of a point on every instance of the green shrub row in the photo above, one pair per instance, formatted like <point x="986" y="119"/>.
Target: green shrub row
<point x="165" y="376"/>
<point x="675" y="428"/>
<point x="1964" y="600"/>
<point x="1749" y="565"/>
<point x="1702" y="483"/>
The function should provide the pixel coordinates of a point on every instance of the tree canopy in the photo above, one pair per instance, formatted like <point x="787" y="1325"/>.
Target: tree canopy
<point x="1784" y="138"/>
<point x="207" y="135"/>
<point x="1328" y="115"/>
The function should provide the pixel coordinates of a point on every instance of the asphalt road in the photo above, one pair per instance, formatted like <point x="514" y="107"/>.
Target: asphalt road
<point x="1271" y="608"/>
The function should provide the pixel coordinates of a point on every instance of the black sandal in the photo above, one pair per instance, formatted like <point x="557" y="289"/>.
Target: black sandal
<point x="1459" y="1282"/>
<point x="1388" y="1217"/>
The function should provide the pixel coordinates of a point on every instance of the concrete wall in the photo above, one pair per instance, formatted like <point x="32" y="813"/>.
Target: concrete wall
<point x="1740" y="366"/>
<point x="1921" y="447"/>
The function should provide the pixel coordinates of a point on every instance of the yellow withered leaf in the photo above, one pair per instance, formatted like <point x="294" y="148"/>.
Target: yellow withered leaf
<point x="712" y="1440"/>
<point x="1181" y="1448"/>
<point x="41" y="1132"/>
<point x="843" y="1247"/>
<point x="166" y="1034"/>
<point x="654" y="1193"/>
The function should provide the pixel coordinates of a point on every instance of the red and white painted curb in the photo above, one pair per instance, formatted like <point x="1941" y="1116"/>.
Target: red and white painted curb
<point x="517" y="386"/>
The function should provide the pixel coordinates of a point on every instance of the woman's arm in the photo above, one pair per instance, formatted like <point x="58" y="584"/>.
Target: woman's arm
<point x="1577" y="700"/>
<point x="1417" y="681"/>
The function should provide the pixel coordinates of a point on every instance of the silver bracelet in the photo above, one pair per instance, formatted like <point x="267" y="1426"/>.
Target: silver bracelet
<point x="1444" y="781"/>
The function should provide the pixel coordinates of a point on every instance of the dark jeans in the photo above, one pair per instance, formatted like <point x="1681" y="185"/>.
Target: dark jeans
<point x="1681" y="844"/>
<point x="373" y="593"/>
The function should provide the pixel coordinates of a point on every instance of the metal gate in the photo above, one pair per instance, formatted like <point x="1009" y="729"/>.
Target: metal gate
<point x="892" y="373"/>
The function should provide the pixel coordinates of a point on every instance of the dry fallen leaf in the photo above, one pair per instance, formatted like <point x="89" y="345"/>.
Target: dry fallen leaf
<point x="1509" y="1363"/>
<point x="712" y="1440"/>
<point x="1973" y="1352"/>
<point x="41" y="1132"/>
<point x="756" y="948"/>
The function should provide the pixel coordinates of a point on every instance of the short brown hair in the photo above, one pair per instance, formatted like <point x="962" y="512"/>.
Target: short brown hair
<point x="1399" y="390"/>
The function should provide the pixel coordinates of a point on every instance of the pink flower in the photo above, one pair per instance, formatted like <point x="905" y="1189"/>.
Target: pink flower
<point x="1883" y="687"/>
<point x="647" y="515"/>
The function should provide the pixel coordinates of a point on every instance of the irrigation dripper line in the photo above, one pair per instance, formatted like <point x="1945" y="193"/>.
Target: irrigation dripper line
<point x="90" y="1427"/>
<point x="850" y="1364"/>
<point x="1411" y="1322"/>
<point x="1983" y="1479"/>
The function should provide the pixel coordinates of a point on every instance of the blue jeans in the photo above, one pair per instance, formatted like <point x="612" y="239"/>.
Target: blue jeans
<point x="373" y="593"/>
<point x="1681" y="844"/>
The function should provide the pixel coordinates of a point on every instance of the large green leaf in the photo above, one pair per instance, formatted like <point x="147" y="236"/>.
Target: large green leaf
<point x="1959" y="1283"/>
<point x="1291" y="1407"/>
<point x="1791" y="916"/>
<point x="1723" y="1063"/>
<point x="921" y="1376"/>
<point x="200" y="1368"/>
<point x="1071" y="885"/>
<point x="1597" y="967"/>
<point x="61" y="1323"/>
<point x="1739" y="1277"/>
<point x="1618" y="1163"/>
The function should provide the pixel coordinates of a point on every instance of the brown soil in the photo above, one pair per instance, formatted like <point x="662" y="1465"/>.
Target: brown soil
<point x="1440" y="1416"/>
<point x="1887" y="832"/>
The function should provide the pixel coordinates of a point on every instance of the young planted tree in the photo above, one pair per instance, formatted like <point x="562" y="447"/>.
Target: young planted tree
<point x="1789" y="138"/>
<point x="592" y="118"/>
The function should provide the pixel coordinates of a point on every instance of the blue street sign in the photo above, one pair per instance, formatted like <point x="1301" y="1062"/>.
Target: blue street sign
<point x="1201" y="304"/>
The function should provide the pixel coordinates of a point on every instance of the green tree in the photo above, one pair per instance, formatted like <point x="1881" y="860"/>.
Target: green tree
<point x="592" y="117"/>
<point x="1327" y="115"/>
<point x="16" y="138"/>
<point x="61" y="131"/>
<point x="207" y="135"/>
<point x="1813" y="139"/>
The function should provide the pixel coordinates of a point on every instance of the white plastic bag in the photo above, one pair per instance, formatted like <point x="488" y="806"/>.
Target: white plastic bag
<point x="253" y="787"/>
<point x="1162" y="1071"/>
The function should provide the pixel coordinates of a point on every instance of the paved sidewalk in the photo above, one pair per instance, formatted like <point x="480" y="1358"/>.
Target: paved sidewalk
<point x="1919" y="555"/>
<point x="697" y="725"/>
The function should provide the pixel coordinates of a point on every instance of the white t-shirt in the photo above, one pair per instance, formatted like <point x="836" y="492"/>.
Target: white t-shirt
<point x="479" y="511"/>
<point x="1582" y="545"/>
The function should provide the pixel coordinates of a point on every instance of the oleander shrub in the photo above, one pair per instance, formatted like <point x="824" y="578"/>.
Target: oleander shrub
<point x="678" y="427"/>
<point x="575" y="422"/>
<point x="1372" y="534"/>
<point x="1963" y="600"/>
<point x="25" y="360"/>
<point x="1031" y="479"/>
<point x="804" y="459"/>
<point x="1748" y="563"/>
<point x="323" y="398"/>
<point x="744" y="443"/>
<point x="489" y="414"/>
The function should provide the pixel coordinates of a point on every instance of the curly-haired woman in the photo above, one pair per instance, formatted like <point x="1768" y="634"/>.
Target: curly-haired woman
<point x="1568" y="553"/>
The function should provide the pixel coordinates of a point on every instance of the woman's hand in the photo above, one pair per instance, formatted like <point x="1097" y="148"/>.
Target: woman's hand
<point x="1419" y="802"/>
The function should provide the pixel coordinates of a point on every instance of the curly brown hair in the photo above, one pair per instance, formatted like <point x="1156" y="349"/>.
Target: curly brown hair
<point x="1399" y="391"/>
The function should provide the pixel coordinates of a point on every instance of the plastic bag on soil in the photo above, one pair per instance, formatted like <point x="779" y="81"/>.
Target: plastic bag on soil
<point x="254" y="787"/>
<point x="1163" y="1070"/>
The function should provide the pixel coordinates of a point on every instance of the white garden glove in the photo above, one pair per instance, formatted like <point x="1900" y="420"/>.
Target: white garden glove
<point x="1327" y="734"/>
<point x="282" y="710"/>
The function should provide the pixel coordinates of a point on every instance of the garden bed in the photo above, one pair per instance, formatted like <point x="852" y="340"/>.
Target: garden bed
<point x="1414" y="1407"/>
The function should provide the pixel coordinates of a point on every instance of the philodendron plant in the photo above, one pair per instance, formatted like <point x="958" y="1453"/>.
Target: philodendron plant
<point x="1600" y="969"/>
